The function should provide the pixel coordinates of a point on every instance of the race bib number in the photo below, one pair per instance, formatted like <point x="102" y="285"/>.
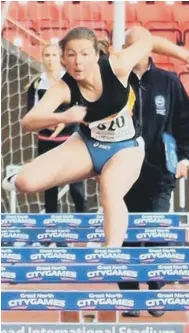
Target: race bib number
<point x="116" y="129"/>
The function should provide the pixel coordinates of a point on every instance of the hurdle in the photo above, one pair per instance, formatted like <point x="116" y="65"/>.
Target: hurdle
<point x="86" y="220"/>
<point x="85" y="265"/>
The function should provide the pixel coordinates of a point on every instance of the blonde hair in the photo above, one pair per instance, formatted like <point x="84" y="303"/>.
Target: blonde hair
<point x="37" y="76"/>
<point x="49" y="45"/>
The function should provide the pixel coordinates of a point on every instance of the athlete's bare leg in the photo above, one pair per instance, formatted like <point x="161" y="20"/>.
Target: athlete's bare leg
<point x="67" y="163"/>
<point x="118" y="176"/>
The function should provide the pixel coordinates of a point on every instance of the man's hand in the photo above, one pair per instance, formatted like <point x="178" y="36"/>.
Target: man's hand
<point x="182" y="169"/>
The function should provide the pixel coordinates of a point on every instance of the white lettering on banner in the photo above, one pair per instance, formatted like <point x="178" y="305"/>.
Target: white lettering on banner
<point x="166" y="255"/>
<point x="156" y="234"/>
<point x="169" y="301"/>
<point x="26" y="302"/>
<point x="145" y="220"/>
<point x="14" y="234"/>
<point x="36" y="299"/>
<point x="107" y="255"/>
<point x="21" y="221"/>
<point x="112" y="272"/>
<point x="10" y="256"/>
<point x="119" y="128"/>
<point x="181" y="270"/>
<point x="8" y="275"/>
<point x="53" y="255"/>
<point x="51" y="271"/>
<point x="98" y="234"/>
<point x="106" y="301"/>
<point x="61" y="219"/>
<point x="57" y="233"/>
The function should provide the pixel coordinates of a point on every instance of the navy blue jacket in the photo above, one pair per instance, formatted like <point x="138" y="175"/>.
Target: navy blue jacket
<point x="162" y="105"/>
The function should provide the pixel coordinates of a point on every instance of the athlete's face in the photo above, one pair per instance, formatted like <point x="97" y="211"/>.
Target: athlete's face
<point x="52" y="58"/>
<point x="79" y="58"/>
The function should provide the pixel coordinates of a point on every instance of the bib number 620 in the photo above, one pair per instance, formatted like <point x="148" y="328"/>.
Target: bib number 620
<point x="117" y="123"/>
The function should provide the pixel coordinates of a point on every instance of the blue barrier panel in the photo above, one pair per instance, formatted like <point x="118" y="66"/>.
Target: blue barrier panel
<point x="86" y="220"/>
<point x="29" y="235"/>
<point x="94" y="273"/>
<point x="143" y="255"/>
<point x="94" y="300"/>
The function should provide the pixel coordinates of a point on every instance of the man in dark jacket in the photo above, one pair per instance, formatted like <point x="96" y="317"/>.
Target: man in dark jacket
<point x="162" y="105"/>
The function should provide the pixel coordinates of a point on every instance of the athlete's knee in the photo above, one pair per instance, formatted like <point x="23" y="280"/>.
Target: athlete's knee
<point x="24" y="183"/>
<point x="109" y="194"/>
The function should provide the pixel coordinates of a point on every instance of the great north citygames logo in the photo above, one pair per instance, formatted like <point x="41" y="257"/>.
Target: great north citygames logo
<point x="110" y="300"/>
<point x="43" y="273"/>
<point x="109" y="271"/>
<point x="145" y="220"/>
<point x="153" y="255"/>
<point x="54" y="255"/>
<point x="64" y="219"/>
<point x="169" y="300"/>
<point x="177" y="272"/>
<point x="22" y="220"/>
<point x="97" y="255"/>
<point x="14" y="234"/>
<point x="36" y="301"/>
<point x="64" y="234"/>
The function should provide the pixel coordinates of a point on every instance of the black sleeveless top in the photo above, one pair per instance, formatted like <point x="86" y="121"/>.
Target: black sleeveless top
<point x="113" y="99"/>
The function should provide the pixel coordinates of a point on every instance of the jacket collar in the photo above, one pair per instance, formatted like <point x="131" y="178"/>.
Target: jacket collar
<point x="151" y="68"/>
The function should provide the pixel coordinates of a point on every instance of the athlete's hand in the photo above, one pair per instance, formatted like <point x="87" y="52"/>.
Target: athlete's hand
<point x="57" y="130"/>
<point x="182" y="169"/>
<point x="75" y="114"/>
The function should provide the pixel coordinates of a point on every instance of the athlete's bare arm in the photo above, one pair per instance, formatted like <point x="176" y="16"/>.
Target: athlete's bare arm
<point x="42" y="114"/>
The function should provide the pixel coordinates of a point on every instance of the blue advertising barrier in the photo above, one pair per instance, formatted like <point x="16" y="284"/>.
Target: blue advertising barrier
<point x="168" y="300"/>
<point x="29" y="235"/>
<point x="94" y="273"/>
<point x="85" y="220"/>
<point x="158" y="255"/>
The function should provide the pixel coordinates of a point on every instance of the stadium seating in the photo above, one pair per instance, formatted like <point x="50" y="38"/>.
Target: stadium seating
<point x="50" y="29"/>
<point x="168" y="30"/>
<point x="12" y="32"/>
<point x="181" y="13"/>
<point x="52" y="19"/>
<point x="37" y="11"/>
<point x="158" y="12"/>
<point x="186" y="34"/>
<point x="84" y="10"/>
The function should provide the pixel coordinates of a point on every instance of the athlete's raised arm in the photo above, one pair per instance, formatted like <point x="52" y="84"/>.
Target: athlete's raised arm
<point x="124" y="61"/>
